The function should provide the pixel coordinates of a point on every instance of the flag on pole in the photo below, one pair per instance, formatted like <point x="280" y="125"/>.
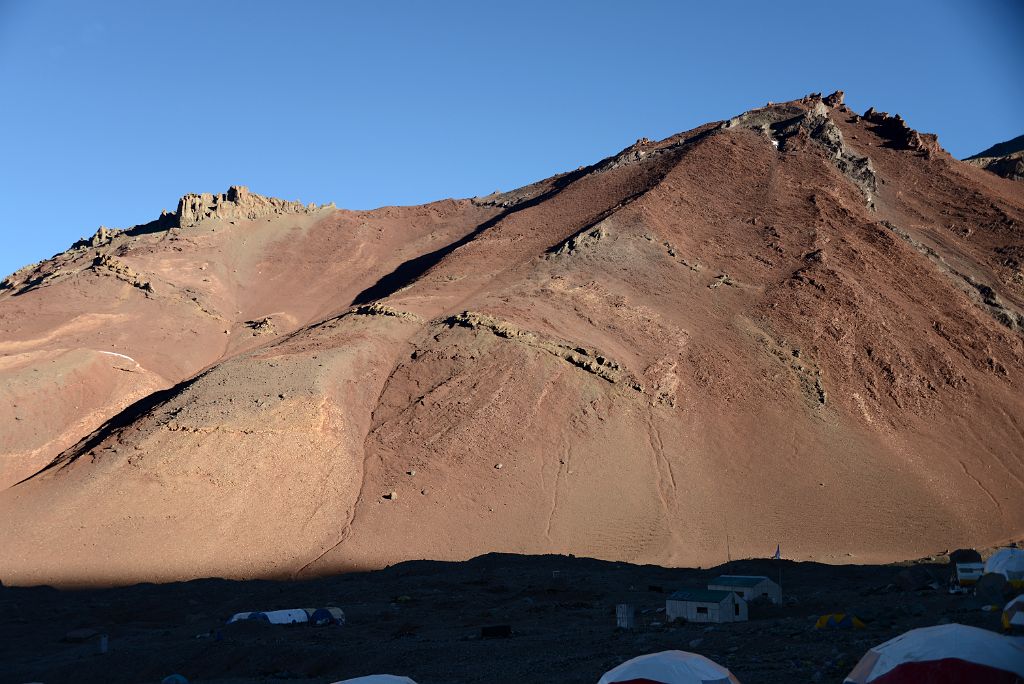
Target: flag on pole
<point x="778" y="552"/>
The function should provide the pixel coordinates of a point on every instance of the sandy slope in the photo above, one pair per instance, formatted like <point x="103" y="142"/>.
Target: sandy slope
<point x="800" y="326"/>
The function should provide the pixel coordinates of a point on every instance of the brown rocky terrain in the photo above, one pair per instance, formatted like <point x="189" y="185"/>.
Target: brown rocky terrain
<point x="800" y="325"/>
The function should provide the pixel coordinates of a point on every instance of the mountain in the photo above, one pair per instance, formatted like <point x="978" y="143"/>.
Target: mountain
<point x="800" y="326"/>
<point x="1005" y="159"/>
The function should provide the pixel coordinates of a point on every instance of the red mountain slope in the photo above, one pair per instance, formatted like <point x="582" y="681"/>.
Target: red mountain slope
<point x="799" y="326"/>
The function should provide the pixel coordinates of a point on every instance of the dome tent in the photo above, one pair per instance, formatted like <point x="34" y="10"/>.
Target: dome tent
<point x="275" y="617"/>
<point x="951" y="654"/>
<point x="669" y="667"/>
<point x="377" y="679"/>
<point x="839" y="621"/>
<point x="1009" y="563"/>
<point x="1013" y="613"/>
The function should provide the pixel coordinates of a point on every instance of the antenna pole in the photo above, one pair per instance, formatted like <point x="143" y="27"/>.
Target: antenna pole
<point x="781" y="601"/>
<point x="728" y="552"/>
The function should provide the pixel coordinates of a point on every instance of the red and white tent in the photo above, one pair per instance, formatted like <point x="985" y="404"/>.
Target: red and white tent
<point x="669" y="667"/>
<point x="945" y="654"/>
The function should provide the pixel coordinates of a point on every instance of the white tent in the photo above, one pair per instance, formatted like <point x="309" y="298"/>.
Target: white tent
<point x="377" y="679"/>
<point x="670" y="667"/>
<point x="274" y="617"/>
<point x="952" y="654"/>
<point x="1013" y="613"/>
<point x="291" y="616"/>
<point x="1008" y="563"/>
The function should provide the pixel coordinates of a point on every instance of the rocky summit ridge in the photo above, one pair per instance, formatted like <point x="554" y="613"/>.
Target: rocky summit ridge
<point x="801" y="325"/>
<point x="237" y="204"/>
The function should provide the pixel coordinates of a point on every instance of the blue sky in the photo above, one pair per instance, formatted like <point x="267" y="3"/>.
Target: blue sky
<point x="112" y="110"/>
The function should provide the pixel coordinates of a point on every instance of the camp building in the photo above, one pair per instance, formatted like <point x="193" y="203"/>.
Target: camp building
<point x="748" y="587"/>
<point x="706" y="605"/>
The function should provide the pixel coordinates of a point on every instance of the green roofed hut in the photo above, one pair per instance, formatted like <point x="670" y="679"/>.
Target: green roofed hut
<point x="748" y="587"/>
<point x="706" y="605"/>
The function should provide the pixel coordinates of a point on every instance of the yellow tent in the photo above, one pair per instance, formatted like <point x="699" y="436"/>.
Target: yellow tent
<point x="1013" y="614"/>
<point x="839" y="621"/>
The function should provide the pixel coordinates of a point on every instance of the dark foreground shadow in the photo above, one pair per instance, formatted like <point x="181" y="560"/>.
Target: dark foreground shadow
<point x="553" y="618"/>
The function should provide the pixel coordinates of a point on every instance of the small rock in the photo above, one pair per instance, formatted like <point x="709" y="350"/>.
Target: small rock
<point x="281" y="395"/>
<point x="410" y="473"/>
<point x="391" y="496"/>
<point x="498" y="466"/>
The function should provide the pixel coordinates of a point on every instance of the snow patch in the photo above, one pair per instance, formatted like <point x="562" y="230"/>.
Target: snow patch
<point x="122" y="356"/>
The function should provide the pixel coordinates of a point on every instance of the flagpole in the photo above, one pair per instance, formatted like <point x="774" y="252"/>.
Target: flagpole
<point x="778" y="555"/>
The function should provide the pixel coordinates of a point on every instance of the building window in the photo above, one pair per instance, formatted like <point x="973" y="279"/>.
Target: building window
<point x="701" y="610"/>
<point x="736" y="607"/>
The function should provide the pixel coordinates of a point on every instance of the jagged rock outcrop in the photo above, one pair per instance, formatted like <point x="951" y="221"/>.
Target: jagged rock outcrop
<point x="378" y="309"/>
<point x="582" y="240"/>
<point x="1005" y="159"/>
<point x="1010" y="167"/>
<point x="261" y="326"/>
<point x="235" y="204"/>
<point x="121" y="270"/>
<point x="900" y="135"/>
<point x="102" y="236"/>
<point x="821" y="128"/>
<point x="789" y="127"/>
<point x="589" y="360"/>
<point x="835" y="99"/>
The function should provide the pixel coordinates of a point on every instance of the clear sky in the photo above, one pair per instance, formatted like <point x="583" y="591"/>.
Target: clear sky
<point x="109" y="111"/>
